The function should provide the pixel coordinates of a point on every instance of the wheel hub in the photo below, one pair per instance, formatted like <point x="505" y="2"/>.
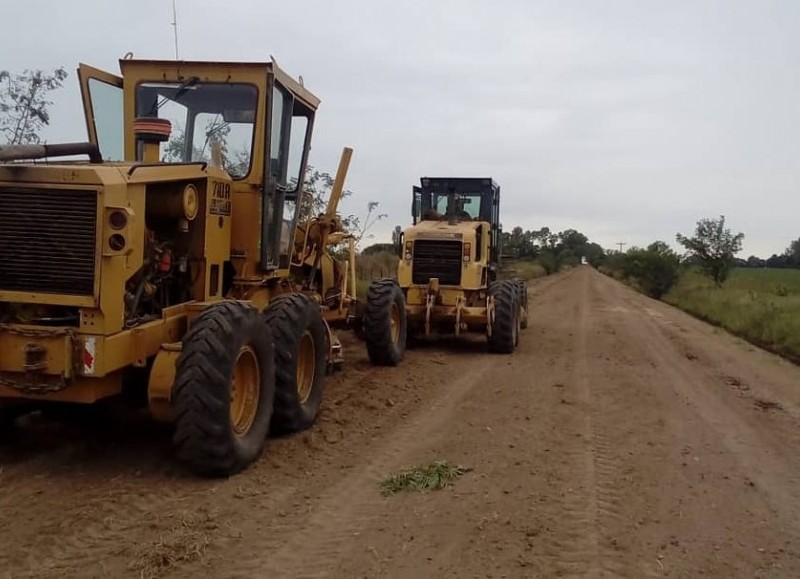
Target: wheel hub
<point x="306" y="366"/>
<point x="245" y="390"/>
<point x="394" y="323"/>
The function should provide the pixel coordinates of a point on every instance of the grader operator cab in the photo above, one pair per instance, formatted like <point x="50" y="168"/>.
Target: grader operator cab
<point x="172" y="266"/>
<point x="449" y="263"/>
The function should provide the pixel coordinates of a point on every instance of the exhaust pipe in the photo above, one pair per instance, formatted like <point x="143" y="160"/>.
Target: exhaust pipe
<point x="31" y="152"/>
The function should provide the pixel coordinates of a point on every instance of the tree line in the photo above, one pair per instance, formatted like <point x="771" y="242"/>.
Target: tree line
<point x="552" y="250"/>
<point x="654" y="268"/>
<point x="790" y="258"/>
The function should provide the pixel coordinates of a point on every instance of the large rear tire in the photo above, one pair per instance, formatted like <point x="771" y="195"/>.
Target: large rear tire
<point x="300" y="358"/>
<point x="224" y="388"/>
<point x="385" y="323"/>
<point x="505" y="329"/>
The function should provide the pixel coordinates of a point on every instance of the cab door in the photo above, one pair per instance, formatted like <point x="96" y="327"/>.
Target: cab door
<point x="102" y="97"/>
<point x="416" y="204"/>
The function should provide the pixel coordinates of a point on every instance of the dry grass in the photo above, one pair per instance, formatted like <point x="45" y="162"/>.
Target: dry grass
<point x="374" y="266"/>
<point x="522" y="268"/>
<point x="185" y="542"/>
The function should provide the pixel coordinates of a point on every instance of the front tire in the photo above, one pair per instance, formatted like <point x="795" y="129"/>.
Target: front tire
<point x="300" y="358"/>
<point x="385" y="323"/>
<point x="224" y="389"/>
<point x="505" y="329"/>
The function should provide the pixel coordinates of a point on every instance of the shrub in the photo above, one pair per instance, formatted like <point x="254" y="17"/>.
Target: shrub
<point x="653" y="270"/>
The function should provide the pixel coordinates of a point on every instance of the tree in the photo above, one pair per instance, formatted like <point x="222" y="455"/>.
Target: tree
<point x="24" y="106"/>
<point x="653" y="270"/>
<point x="714" y="247"/>
<point x="547" y="259"/>
<point x="360" y="230"/>
<point x="378" y="248"/>
<point x="519" y="243"/>
<point x="316" y="192"/>
<point x="778" y="261"/>
<point x="593" y="253"/>
<point x="793" y="253"/>
<point x="314" y="201"/>
<point x="755" y="261"/>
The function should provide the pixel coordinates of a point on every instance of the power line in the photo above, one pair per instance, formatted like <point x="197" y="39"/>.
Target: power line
<point x="621" y="243"/>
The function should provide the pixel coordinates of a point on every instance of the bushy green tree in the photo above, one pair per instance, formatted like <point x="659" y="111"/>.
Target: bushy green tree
<point x="547" y="259"/>
<point x="713" y="247"/>
<point x="793" y="253"/>
<point x="655" y="269"/>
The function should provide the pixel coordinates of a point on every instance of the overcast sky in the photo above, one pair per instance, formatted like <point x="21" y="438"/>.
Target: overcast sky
<point x="625" y="119"/>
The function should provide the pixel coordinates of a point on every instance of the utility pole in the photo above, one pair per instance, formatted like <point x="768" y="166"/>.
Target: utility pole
<point x="621" y="243"/>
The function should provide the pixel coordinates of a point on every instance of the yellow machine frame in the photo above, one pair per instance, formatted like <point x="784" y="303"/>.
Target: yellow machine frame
<point x="224" y="218"/>
<point x="448" y="265"/>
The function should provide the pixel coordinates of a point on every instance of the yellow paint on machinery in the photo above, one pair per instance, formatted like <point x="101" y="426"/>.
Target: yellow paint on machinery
<point x="190" y="198"/>
<point x="449" y="261"/>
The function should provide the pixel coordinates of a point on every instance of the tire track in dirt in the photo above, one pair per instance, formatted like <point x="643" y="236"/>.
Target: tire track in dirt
<point x="103" y="503"/>
<point x="613" y="393"/>
<point x="576" y="545"/>
<point x="755" y="448"/>
<point x="311" y="547"/>
<point x="592" y="503"/>
<point x="727" y="503"/>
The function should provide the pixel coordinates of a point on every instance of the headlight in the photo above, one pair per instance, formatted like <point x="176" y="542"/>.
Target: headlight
<point x="117" y="220"/>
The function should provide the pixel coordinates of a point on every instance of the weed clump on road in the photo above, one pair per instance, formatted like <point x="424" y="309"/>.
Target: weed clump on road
<point x="434" y="476"/>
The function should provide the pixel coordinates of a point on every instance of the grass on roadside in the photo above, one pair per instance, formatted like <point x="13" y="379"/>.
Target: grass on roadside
<point x="434" y="476"/>
<point x="759" y="305"/>
<point x="522" y="268"/>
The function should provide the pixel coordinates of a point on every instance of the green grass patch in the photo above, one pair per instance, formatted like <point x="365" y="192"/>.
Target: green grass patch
<point x="760" y="305"/>
<point x="434" y="476"/>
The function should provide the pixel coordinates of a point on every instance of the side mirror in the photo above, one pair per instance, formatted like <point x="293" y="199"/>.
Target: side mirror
<point x="397" y="240"/>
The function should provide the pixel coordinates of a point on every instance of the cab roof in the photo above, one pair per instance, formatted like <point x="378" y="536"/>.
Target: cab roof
<point x="457" y="182"/>
<point x="197" y="66"/>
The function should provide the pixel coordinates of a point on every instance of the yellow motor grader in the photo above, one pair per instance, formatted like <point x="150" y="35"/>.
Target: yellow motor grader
<point x="170" y="267"/>
<point x="449" y="261"/>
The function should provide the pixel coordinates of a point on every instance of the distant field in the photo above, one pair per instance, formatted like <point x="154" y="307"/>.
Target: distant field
<point x="759" y="305"/>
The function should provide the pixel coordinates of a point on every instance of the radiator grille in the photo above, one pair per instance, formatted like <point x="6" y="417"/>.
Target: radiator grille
<point x="47" y="240"/>
<point x="434" y="258"/>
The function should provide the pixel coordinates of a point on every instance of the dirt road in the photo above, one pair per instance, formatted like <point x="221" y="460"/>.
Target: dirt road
<point x="624" y="438"/>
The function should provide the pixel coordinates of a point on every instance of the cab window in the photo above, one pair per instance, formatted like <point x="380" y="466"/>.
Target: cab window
<point x="209" y="120"/>
<point x="106" y="101"/>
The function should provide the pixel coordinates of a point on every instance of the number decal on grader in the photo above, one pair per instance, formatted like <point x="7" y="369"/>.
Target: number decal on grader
<point x="221" y="199"/>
